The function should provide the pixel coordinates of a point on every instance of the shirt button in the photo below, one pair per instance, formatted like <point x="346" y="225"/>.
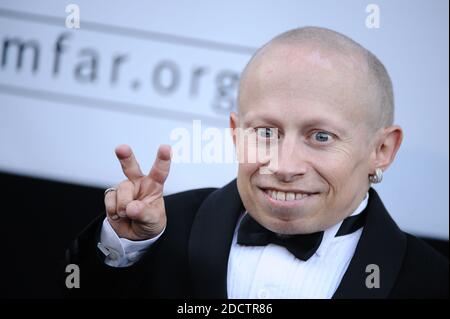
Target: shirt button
<point x="263" y="294"/>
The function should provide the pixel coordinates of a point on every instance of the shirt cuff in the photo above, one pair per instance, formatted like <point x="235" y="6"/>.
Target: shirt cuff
<point x="121" y="252"/>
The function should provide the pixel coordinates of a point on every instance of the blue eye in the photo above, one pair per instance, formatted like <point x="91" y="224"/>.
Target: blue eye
<point x="265" y="132"/>
<point x="322" y="137"/>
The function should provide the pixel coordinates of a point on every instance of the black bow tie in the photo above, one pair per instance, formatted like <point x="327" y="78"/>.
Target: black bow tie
<point x="302" y="246"/>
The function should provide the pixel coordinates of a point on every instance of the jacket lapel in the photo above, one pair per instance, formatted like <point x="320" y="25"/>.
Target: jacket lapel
<point x="210" y="241"/>
<point x="382" y="243"/>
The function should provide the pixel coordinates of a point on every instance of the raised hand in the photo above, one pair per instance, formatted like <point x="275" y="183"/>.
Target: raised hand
<point x="135" y="209"/>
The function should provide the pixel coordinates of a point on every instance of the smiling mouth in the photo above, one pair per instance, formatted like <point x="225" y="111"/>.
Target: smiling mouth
<point x="286" y="196"/>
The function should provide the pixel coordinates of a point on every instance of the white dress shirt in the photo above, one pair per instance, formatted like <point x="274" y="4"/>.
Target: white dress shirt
<point x="262" y="271"/>
<point x="121" y="252"/>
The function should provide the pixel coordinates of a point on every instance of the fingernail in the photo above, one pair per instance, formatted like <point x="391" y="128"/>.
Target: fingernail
<point x="122" y="213"/>
<point x="115" y="217"/>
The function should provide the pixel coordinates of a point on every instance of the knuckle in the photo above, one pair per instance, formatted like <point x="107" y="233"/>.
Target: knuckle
<point x="126" y="183"/>
<point x="110" y="202"/>
<point x="121" y="204"/>
<point x="125" y="188"/>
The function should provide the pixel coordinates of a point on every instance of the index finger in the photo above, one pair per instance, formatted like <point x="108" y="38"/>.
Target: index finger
<point x="130" y="166"/>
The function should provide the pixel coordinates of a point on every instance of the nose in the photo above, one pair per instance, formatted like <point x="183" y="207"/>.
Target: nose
<point x="291" y="163"/>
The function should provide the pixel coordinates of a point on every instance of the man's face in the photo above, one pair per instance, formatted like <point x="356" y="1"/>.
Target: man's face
<point x="312" y="105"/>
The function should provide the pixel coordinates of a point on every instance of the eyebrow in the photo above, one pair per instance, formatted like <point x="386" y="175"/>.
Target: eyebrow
<point x="317" y="123"/>
<point x="262" y="118"/>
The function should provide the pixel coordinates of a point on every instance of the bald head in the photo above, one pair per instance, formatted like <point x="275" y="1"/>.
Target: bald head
<point x="324" y="50"/>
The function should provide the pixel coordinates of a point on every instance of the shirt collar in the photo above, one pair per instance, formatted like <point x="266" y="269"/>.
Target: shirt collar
<point x="330" y="233"/>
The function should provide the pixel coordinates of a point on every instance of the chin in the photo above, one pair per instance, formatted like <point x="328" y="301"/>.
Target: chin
<point x="287" y="227"/>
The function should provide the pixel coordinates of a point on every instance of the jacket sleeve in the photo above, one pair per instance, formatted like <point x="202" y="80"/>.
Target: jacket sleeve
<point x="96" y="278"/>
<point x="162" y="272"/>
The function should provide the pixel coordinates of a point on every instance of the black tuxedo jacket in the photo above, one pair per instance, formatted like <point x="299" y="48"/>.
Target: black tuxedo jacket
<point x="190" y="259"/>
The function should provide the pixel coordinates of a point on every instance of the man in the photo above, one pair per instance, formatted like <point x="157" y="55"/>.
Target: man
<point x="303" y="223"/>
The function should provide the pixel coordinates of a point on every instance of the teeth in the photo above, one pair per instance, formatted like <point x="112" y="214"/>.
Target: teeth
<point x="283" y="196"/>
<point x="298" y="196"/>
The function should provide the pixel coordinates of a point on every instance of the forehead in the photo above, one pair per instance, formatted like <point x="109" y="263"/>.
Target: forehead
<point x="303" y="83"/>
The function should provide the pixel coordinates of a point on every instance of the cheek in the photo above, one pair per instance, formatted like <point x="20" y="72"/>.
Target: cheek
<point x="340" y="171"/>
<point x="251" y="159"/>
<point x="246" y="171"/>
<point x="249" y="153"/>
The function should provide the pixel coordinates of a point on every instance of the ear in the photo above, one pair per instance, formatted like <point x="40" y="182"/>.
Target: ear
<point x="386" y="148"/>
<point x="234" y="122"/>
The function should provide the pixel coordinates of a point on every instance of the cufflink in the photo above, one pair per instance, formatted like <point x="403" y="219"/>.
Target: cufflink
<point x="103" y="249"/>
<point x="108" y="252"/>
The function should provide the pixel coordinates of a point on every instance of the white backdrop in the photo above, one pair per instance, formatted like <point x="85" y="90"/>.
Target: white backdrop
<point x="160" y="64"/>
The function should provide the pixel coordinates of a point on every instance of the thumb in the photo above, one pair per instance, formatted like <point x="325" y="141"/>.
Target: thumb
<point x="148" y="220"/>
<point x="146" y="213"/>
<point x="135" y="209"/>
